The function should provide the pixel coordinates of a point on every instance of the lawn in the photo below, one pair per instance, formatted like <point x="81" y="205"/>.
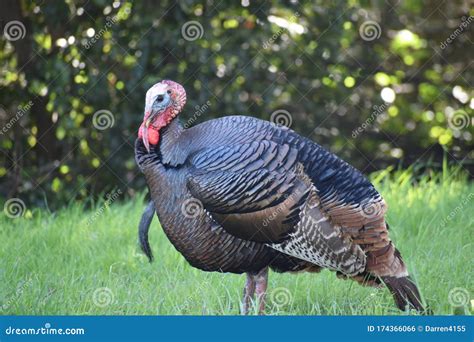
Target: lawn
<point x="87" y="262"/>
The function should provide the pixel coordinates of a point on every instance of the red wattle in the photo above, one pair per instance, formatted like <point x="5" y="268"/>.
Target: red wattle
<point x="153" y="134"/>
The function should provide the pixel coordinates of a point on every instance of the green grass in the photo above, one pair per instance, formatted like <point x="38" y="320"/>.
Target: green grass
<point x="54" y="263"/>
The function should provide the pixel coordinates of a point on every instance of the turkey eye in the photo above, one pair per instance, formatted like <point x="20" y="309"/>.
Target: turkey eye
<point x="169" y="92"/>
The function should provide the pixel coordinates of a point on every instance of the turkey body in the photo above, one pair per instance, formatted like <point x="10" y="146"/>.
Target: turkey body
<point x="238" y="194"/>
<point x="187" y="224"/>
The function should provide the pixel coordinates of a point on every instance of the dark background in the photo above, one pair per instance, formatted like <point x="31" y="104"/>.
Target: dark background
<point x="311" y="59"/>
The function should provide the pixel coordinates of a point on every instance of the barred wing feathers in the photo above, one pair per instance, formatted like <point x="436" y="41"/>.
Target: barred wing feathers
<point x="260" y="192"/>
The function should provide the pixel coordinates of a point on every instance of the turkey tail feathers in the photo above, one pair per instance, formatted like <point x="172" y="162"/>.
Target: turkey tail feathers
<point x="143" y="228"/>
<point x="405" y="293"/>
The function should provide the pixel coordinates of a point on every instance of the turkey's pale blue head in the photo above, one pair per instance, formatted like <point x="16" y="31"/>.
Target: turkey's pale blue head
<point x="157" y="99"/>
<point x="163" y="102"/>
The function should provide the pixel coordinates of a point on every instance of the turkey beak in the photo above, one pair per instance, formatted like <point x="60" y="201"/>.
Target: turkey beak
<point x="145" y="136"/>
<point x="148" y="121"/>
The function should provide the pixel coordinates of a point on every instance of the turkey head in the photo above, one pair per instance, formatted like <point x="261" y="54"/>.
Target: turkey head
<point x="163" y="102"/>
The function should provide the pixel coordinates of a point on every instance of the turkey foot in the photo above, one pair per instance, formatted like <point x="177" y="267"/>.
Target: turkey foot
<point x="256" y="283"/>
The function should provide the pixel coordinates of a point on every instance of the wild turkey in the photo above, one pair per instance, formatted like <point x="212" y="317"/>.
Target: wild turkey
<point x="238" y="194"/>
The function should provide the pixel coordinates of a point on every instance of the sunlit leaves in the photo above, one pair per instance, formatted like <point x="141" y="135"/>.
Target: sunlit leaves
<point x="253" y="58"/>
<point x="95" y="162"/>
<point x="428" y="92"/>
<point x="44" y="41"/>
<point x="81" y="78"/>
<point x="56" y="184"/>
<point x="382" y="79"/>
<point x="405" y="39"/>
<point x="349" y="81"/>
<point x="230" y="24"/>
<point x="64" y="169"/>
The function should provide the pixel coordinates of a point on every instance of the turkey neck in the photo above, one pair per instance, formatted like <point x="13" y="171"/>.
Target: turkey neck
<point x="167" y="180"/>
<point x="165" y="176"/>
<point x="171" y="132"/>
<point x="171" y="150"/>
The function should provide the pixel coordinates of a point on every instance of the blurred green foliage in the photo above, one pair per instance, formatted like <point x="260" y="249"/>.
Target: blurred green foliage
<point x="310" y="58"/>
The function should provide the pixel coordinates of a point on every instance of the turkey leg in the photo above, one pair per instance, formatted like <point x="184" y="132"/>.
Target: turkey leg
<point x="261" y="289"/>
<point x="249" y="291"/>
<point x="255" y="283"/>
